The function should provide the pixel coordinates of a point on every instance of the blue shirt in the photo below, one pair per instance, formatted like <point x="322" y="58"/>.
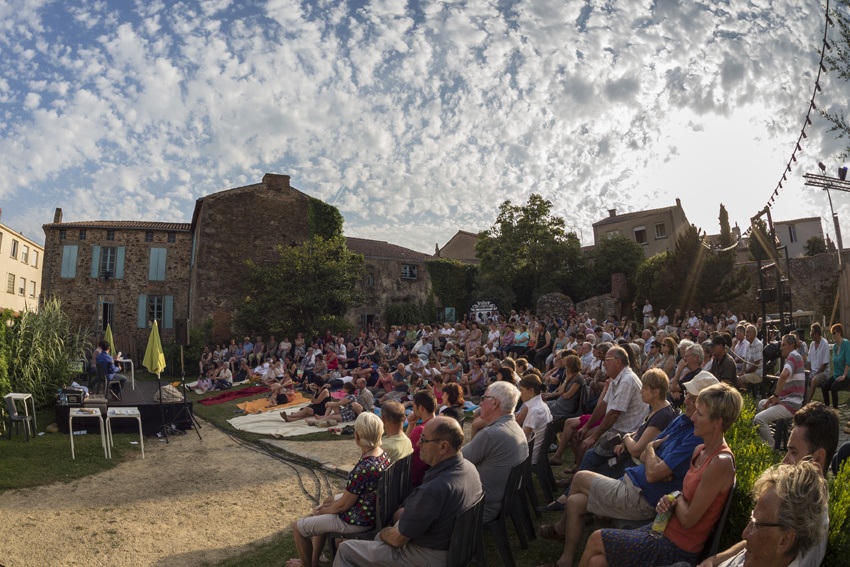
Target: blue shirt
<point x="676" y="453"/>
<point x="104" y="360"/>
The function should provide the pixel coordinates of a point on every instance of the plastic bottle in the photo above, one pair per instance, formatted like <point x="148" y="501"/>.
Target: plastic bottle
<point x="661" y="519"/>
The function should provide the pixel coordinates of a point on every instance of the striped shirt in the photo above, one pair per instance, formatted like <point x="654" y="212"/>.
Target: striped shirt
<point x="791" y="395"/>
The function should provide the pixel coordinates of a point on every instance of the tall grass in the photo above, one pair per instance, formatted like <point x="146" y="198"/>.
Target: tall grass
<point x="42" y="352"/>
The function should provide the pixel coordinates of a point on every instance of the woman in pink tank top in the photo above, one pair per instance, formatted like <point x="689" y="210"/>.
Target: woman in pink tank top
<point x="696" y="510"/>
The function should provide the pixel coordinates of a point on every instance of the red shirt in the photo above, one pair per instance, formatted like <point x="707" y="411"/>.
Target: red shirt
<point x="417" y="465"/>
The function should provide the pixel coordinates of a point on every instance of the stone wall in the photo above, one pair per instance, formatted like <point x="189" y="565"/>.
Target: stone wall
<point x="554" y="305"/>
<point x="232" y="226"/>
<point x="599" y="307"/>
<point x="813" y="285"/>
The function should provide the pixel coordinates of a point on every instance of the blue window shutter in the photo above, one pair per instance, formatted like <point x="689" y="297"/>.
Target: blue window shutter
<point x="143" y="311"/>
<point x="95" y="261"/>
<point x="119" y="264"/>
<point x="69" y="261"/>
<point x="168" y="312"/>
<point x="152" y="264"/>
<point x="160" y="267"/>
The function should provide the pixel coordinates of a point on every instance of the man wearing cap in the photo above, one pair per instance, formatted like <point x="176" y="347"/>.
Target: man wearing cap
<point x="664" y="463"/>
<point x="722" y="365"/>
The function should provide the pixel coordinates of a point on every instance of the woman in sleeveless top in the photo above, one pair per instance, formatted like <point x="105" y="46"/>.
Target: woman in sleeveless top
<point x="321" y="397"/>
<point x="695" y="511"/>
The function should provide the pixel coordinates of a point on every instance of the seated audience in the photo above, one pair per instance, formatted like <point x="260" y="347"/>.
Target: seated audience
<point x="696" y="509"/>
<point x="396" y="444"/>
<point x="534" y="417"/>
<point x="790" y="390"/>
<point x="453" y="395"/>
<point x="318" y="404"/>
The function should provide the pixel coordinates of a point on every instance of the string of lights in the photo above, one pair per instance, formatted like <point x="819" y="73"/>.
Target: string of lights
<point x="825" y="46"/>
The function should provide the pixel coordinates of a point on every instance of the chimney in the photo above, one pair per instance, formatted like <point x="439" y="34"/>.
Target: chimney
<point x="436" y="248"/>
<point x="275" y="182"/>
<point x="612" y="213"/>
<point x="678" y="202"/>
<point x="57" y="216"/>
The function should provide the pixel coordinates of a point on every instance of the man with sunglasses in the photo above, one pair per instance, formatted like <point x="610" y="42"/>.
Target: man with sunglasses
<point x="422" y="535"/>
<point x="814" y="438"/>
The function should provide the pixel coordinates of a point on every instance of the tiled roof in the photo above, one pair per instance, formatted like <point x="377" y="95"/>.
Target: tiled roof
<point x="127" y="225"/>
<point x="636" y="214"/>
<point x="381" y="249"/>
<point x="795" y="221"/>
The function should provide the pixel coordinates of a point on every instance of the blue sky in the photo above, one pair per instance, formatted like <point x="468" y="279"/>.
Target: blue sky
<point x="416" y="119"/>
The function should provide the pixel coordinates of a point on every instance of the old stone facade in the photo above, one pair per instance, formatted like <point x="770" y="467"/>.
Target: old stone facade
<point x="128" y="272"/>
<point x="392" y="274"/>
<point x="124" y="273"/>
<point x="232" y="226"/>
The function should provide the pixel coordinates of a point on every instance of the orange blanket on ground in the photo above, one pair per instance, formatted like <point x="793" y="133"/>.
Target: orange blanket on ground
<point x="260" y="405"/>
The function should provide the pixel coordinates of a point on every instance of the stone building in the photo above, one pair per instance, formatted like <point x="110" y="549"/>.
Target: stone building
<point x="128" y="273"/>
<point x="655" y="229"/>
<point x="20" y="264"/>
<point x="122" y="273"/>
<point x="461" y="247"/>
<point x="392" y="274"/>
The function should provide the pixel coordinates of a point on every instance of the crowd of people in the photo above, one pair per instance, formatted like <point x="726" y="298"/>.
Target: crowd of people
<point x="644" y="411"/>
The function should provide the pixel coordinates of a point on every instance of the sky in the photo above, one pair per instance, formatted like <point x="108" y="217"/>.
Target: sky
<point x="416" y="119"/>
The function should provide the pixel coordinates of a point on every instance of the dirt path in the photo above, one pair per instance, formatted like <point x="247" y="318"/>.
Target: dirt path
<point x="187" y="503"/>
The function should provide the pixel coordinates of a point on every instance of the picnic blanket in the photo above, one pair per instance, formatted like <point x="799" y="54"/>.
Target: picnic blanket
<point x="270" y="423"/>
<point x="229" y="395"/>
<point x="261" y="405"/>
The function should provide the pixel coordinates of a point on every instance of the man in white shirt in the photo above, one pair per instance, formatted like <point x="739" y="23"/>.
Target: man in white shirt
<point x="752" y="371"/>
<point x="663" y="320"/>
<point x="818" y="360"/>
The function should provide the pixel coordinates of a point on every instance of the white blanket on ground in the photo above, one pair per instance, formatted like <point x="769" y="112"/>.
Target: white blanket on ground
<point x="270" y="423"/>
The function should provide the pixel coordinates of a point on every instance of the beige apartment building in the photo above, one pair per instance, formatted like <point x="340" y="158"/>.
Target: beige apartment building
<point x="20" y="264"/>
<point x="655" y="229"/>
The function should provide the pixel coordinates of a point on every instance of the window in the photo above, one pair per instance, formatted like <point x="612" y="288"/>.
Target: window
<point x="409" y="271"/>
<point x="14" y="248"/>
<point x="148" y="236"/>
<point x="640" y="234"/>
<point x="107" y="262"/>
<point x="35" y="258"/>
<point x="32" y="289"/>
<point x="105" y="311"/>
<point x="25" y="254"/>
<point x="172" y="237"/>
<point x="156" y="307"/>
<point x="69" y="261"/>
<point x="10" y="284"/>
<point x="612" y="233"/>
<point x="62" y="235"/>
<point x="370" y="279"/>
<point x="156" y="271"/>
<point x="82" y="235"/>
<point x="22" y="286"/>
<point x="661" y="230"/>
<point x="110" y="235"/>
<point x="792" y="233"/>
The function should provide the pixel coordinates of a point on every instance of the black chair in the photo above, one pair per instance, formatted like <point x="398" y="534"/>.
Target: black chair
<point x="531" y="494"/>
<point x="712" y="544"/>
<point x="400" y="483"/>
<point x="543" y="469"/>
<point x="499" y="527"/>
<point x="781" y="432"/>
<point x="16" y="418"/>
<point x="109" y="385"/>
<point x="97" y="380"/>
<point x="467" y="538"/>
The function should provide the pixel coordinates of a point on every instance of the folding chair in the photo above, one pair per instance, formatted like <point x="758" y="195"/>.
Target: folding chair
<point x="16" y="418"/>
<point x="712" y="544"/>
<point x="543" y="470"/>
<point x="498" y="527"/>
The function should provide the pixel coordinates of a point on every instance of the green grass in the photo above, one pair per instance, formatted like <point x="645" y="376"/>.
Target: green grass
<point x="47" y="458"/>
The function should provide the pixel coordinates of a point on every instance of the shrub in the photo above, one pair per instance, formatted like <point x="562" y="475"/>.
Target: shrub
<point x="752" y="457"/>
<point x="838" y="548"/>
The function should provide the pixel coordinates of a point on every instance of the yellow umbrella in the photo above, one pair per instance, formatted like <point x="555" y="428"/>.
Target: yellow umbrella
<point x="154" y="358"/>
<point x="107" y="336"/>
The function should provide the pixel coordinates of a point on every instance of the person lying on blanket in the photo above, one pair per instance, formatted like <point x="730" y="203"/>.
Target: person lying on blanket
<point x="338" y="410"/>
<point x="317" y="406"/>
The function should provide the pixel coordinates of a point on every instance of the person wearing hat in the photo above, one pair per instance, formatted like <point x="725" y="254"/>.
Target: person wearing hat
<point x="722" y="366"/>
<point x="664" y="463"/>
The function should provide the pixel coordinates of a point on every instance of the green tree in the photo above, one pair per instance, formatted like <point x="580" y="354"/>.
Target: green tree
<point x="309" y="289"/>
<point x="838" y="62"/>
<point x="692" y="275"/>
<point x="815" y="245"/>
<point x="612" y="255"/>
<point x="725" y="231"/>
<point x="760" y="243"/>
<point x="526" y="253"/>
